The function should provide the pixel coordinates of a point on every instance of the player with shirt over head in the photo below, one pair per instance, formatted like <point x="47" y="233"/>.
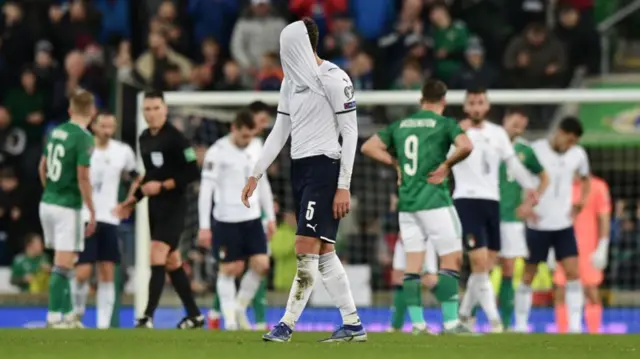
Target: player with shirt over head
<point x="421" y="143"/>
<point x="476" y="197"/>
<point x="64" y="174"/>
<point x="239" y="234"/>
<point x="316" y="107"/>
<point x="551" y="224"/>
<point x="110" y="161"/>
<point x="512" y="229"/>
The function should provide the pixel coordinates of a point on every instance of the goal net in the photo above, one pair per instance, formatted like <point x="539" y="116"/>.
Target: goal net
<point x="366" y="238"/>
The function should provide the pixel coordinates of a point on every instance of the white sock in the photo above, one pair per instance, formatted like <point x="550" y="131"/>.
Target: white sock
<point x="79" y="292"/>
<point x="301" y="288"/>
<point x="105" y="299"/>
<point x="336" y="283"/>
<point x="468" y="300"/>
<point x="485" y="295"/>
<point x="226" y="287"/>
<point x="522" y="307"/>
<point x="575" y="304"/>
<point x="248" y="287"/>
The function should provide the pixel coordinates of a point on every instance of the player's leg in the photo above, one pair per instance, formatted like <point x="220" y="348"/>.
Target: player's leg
<point x="227" y="248"/>
<point x="486" y="295"/>
<point x="559" y="302"/>
<point x="108" y="256"/>
<point x="255" y="248"/>
<point x="514" y="246"/>
<point x="593" y="308"/>
<point x="182" y="286"/>
<point x="566" y="250"/>
<point x="259" y="305"/>
<point x="538" y="245"/>
<point x="83" y="271"/>
<point x="399" y="308"/>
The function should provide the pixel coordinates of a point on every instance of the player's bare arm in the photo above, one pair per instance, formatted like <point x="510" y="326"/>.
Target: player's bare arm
<point x="585" y="189"/>
<point x="42" y="171"/>
<point x="87" y="197"/>
<point x="376" y="149"/>
<point x="463" y="148"/>
<point x="600" y="257"/>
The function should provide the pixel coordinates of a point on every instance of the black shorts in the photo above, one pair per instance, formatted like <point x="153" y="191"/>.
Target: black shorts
<point x="563" y="242"/>
<point x="166" y="221"/>
<point x="102" y="246"/>
<point x="238" y="241"/>
<point x="480" y="220"/>
<point x="314" y="181"/>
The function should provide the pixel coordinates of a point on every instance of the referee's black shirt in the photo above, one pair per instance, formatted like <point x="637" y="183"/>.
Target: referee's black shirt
<point x="168" y="155"/>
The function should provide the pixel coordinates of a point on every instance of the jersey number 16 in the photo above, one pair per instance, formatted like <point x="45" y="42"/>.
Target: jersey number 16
<point x="54" y="167"/>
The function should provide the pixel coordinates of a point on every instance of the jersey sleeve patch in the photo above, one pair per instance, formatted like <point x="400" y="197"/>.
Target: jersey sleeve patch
<point x="190" y="154"/>
<point x="350" y="105"/>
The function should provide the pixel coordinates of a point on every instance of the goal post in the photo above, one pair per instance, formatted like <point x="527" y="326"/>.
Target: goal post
<point x="364" y="98"/>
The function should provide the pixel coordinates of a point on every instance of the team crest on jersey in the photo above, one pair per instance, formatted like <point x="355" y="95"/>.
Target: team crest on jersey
<point x="471" y="240"/>
<point x="349" y="92"/>
<point x="157" y="159"/>
<point x="222" y="253"/>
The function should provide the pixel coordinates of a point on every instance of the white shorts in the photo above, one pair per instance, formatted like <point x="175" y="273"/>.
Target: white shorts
<point x="513" y="241"/>
<point x="63" y="228"/>
<point x="440" y="226"/>
<point x="430" y="259"/>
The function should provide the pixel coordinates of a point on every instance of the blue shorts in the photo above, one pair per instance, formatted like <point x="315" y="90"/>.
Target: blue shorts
<point x="480" y="220"/>
<point x="238" y="241"/>
<point x="314" y="181"/>
<point x="563" y="242"/>
<point x="102" y="246"/>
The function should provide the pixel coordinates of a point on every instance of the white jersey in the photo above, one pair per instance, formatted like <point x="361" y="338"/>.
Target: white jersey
<point x="316" y="106"/>
<point x="224" y="174"/>
<point x="105" y="172"/>
<point x="554" y="208"/>
<point x="477" y="176"/>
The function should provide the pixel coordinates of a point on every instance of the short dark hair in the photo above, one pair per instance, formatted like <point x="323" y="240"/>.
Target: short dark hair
<point x="476" y="91"/>
<point x="572" y="125"/>
<point x="312" y="30"/>
<point x="520" y="110"/>
<point x="244" y="119"/>
<point x="30" y="238"/>
<point x="537" y="28"/>
<point x="258" y="106"/>
<point x="433" y="91"/>
<point x="151" y="94"/>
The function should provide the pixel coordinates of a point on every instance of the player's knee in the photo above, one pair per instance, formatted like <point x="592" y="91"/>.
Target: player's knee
<point x="83" y="272"/>
<point x="232" y="269"/>
<point x="308" y="245"/>
<point x="558" y="295"/>
<point x="570" y="266"/>
<point x="259" y="264"/>
<point x="592" y="295"/>
<point x="326" y="247"/>
<point x="451" y="261"/>
<point x="397" y="277"/>
<point x="173" y="261"/>
<point x="105" y="271"/>
<point x="64" y="260"/>
<point x="530" y="270"/>
<point x="159" y="253"/>
<point x="507" y="265"/>
<point x="479" y="260"/>
<point x="429" y="280"/>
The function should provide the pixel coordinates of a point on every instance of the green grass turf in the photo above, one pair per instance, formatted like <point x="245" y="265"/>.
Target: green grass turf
<point x="173" y="344"/>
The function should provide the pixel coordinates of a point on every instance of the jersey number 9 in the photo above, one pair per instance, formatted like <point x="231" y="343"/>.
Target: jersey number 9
<point x="54" y="166"/>
<point x="411" y="153"/>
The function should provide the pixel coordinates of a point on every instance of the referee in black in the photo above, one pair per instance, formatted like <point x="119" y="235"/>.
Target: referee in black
<point x="170" y="166"/>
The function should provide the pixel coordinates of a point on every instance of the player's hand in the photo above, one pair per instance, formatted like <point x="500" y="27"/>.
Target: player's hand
<point x="151" y="188"/>
<point x="271" y="229"/>
<point x="90" y="229"/>
<point x="341" y="203"/>
<point x="439" y="175"/>
<point x="532" y="197"/>
<point x="122" y="210"/>
<point x="525" y="212"/>
<point x="600" y="257"/>
<point x="204" y="238"/>
<point x="465" y="124"/>
<point x="247" y="191"/>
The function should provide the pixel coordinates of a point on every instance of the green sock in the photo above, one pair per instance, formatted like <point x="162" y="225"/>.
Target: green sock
<point x="413" y="297"/>
<point x="447" y="294"/>
<point x="399" y="308"/>
<point x="67" y="304"/>
<point x="259" y="302"/>
<point x="55" y="288"/>
<point x="216" y="304"/>
<point x="505" y="299"/>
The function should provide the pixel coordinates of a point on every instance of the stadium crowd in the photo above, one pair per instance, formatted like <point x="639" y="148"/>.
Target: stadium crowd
<point x="51" y="48"/>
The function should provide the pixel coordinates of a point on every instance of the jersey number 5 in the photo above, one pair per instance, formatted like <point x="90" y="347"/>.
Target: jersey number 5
<point x="54" y="166"/>
<point x="309" y="215"/>
<point x="411" y="153"/>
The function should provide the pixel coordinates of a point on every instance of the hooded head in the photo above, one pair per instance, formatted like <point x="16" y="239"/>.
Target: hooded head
<point x="298" y="58"/>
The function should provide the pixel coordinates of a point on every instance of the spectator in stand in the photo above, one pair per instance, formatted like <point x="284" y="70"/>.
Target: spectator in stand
<point x="201" y="79"/>
<point x="172" y="78"/>
<point x="256" y="33"/>
<point x="213" y="18"/>
<point x="73" y="79"/>
<point x="476" y="72"/>
<point x="27" y="105"/>
<point x="76" y="28"/>
<point x="211" y="60"/>
<point x="12" y="209"/>
<point x="45" y="66"/>
<point x="321" y="11"/>
<point x="450" y="40"/>
<point x="373" y="18"/>
<point x="411" y="78"/>
<point x="30" y="270"/>
<point x="17" y="45"/>
<point x="151" y="65"/>
<point x="12" y="140"/>
<point x="535" y="59"/>
<point x="341" y="29"/>
<point x="115" y="20"/>
<point x="580" y="39"/>
<point x="525" y="12"/>
<point x="168" y="18"/>
<point x="361" y="71"/>
<point x="270" y="74"/>
<point x="232" y="80"/>
<point x="586" y="9"/>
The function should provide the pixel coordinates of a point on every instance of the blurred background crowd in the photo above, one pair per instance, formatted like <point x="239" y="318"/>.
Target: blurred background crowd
<point x="49" y="48"/>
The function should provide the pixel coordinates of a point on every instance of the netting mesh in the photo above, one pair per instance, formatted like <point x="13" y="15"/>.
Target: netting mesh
<point x="367" y="236"/>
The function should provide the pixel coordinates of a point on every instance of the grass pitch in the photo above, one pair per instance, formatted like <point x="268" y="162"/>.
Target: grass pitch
<point x="174" y="344"/>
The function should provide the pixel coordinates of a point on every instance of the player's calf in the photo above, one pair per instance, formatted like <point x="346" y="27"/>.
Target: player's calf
<point x="249" y="285"/>
<point x="80" y="288"/>
<point x="60" y="303"/>
<point x="573" y="292"/>
<point x="226" y="291"/>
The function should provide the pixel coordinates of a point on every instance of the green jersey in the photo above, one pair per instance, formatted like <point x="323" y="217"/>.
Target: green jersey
<point x="421" y="143"/>
<point x="24" y="265"/>
<point x="510" y="190"/>
<point x="68" y="147"/>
